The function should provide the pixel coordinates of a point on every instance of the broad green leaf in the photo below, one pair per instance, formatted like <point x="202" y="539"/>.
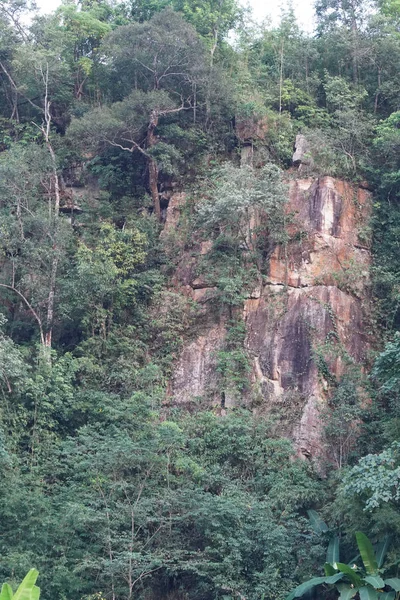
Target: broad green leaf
<point x="329" y="570"/>
<point x="368" y="593"/>
<point x="382" y="549"/>
<point x="387" y="595"/>
<point x="25" y="588"/>
<point x="332" y="554"/>
<point x="334" y="578"/>
<point x="367" y="553"/>
<point x="394" y="583"/>
<point x="307" y="585"/>
<point x="346" y="591"/>
<point x="318" y="524"/>
<point x="351" y="574"/>
<point x="6" y="592"/>
<point x="376" y="581"/>
<point x="35" y="594"/>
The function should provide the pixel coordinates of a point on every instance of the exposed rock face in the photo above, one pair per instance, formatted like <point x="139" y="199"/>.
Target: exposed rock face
<point x="329" y="218"/>
<point x="195" y="375"/>
<point x="175" y="204"/>
<point x="301" y="154"/>
<point x="249" y="130"/>
<point x="288" y="335"/>
<point x="308" y="319"/>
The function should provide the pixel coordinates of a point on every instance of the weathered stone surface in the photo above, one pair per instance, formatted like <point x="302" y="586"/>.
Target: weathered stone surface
<point x="202" y="295"/>
<point x="327" y="216"/>
<point x="195" y="374"/>
<point x="246" y="156"/>
<point x="285" y="332"/>
<point x="176" y="201"/>
<point x="301" y="154"/>
<point x="251" y="129"/>
<point x="316" y="292"/>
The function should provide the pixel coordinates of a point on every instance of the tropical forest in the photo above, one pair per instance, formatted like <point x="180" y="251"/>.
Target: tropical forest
<point x="199" y="301"/>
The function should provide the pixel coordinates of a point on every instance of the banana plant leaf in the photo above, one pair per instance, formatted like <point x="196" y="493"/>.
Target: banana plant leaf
<point x="346" y="591"/>
<point x="35" y="594"/>
<point x="351" y="574"/>
<point x="328" y="568"/>
<point x="317" y="524"/>
<point x="6" y="592"/>
<point x="368" y="593"/>
<point x="25" y="588"/>
<point x="334" y="578"/>
<point x="381" y="550"/>
<point x="387" y="595"/>
<point x="332" y="554"/>
<point x="376" y="581"/>
<point x="394" y="583"/>
<point x="367" y="553"/>
<point x="305" y="587"/>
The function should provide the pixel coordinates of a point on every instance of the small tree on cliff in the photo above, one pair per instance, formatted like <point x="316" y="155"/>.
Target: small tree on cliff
<point x="159" y="68"/>
<point x="244" y="215"/>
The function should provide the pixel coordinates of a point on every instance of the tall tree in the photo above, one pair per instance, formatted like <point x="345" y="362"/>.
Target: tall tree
<point x="348" y="17"/>
<point x="160" y="65"/>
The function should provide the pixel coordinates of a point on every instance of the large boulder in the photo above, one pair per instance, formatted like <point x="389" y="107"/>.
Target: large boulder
<point x="301" y="154"/>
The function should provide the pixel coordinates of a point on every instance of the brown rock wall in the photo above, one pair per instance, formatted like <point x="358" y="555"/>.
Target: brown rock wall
<point x="195" y="375"/>
<point x="326" y="217"/>
<point x="310" y="310"/>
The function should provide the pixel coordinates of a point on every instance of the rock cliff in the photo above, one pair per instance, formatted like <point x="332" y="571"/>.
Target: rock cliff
<point x="307" y="322"/>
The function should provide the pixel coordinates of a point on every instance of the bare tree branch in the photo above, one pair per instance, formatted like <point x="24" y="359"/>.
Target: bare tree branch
<point x="30" y="307"/>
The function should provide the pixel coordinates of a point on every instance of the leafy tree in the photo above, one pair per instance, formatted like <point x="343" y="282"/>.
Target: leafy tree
<point x="76" y="34"/>
<point x="387" y="366"/>
<point x="347" y="16"/>
<point x="213" y="19"/>
<point x="105" y="275"/>
<point x="164" y="57"/>
<point x="386" y="144"/>
<point x="343" y="420"/>
<point x="34" y="233"/>
<point x="375" y="478"/>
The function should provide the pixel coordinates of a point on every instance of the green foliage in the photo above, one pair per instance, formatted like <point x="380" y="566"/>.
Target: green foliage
<point x="341" y="96"/>
<point x="244" y="215"/>
<point x="213" y="20"/>
<point x="27" y="589"/>
<point x="342" y="418"/>
<point x="354" y="581"/>
<point x="387" y="366"/>
<point x="106" y="485"/>
<point x="12" y="370"/>
<point x="200" y="501"/>
<point x="375" y="478"/>
<point x="233" y="365"/>
<point x="386" y="144"/>
<point x="105" y="280"/>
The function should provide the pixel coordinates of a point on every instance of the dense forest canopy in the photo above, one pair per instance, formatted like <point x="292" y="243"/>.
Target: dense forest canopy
<point x="106" y="109"/>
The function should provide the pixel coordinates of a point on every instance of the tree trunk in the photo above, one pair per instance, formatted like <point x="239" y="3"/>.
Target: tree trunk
<point x="354" y="38"/>
<point x="377" y="91"/>
<point x="50" y="300"/>
<point x="54" y="262"/>
<point x="153" y="184"/>
<point x="281" y="80"/>
<point x="152" y="164"/>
